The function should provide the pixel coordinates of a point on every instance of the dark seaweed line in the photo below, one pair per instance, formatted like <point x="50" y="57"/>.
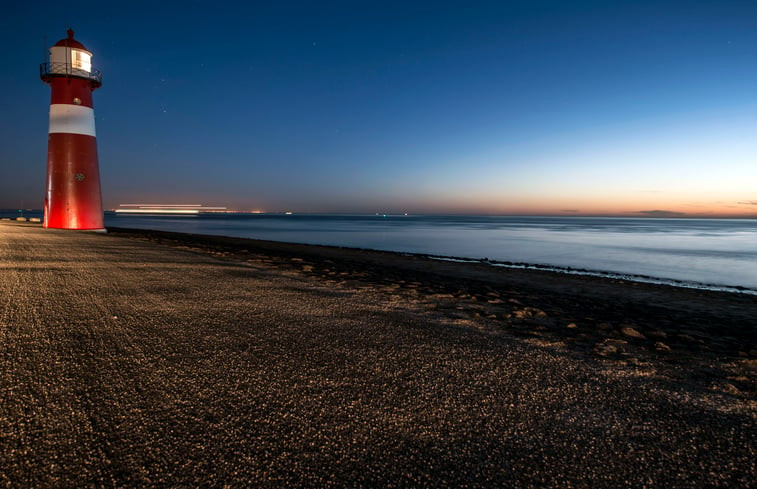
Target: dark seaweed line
<point x="738" y="289"/>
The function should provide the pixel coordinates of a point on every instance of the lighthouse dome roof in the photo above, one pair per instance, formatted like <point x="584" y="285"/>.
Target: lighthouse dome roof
<point x="70" y="42"/>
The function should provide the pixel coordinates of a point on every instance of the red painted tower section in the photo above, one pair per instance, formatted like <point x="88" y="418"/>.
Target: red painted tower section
<point x="72" y="192"/>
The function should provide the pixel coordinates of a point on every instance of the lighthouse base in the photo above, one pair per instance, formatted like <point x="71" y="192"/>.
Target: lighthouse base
<point x="73" y="183"/>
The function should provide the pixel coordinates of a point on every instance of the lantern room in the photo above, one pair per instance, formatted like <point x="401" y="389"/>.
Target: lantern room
<point x="69" y="57"/>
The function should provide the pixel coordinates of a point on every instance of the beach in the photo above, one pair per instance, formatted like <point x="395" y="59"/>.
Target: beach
<point x="156" y="359"/>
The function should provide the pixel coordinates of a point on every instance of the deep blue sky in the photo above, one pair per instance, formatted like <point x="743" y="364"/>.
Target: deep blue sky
<point x="486" y="107"/>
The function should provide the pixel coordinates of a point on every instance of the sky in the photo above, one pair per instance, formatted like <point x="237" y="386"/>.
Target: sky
<point x="509" y="107"/>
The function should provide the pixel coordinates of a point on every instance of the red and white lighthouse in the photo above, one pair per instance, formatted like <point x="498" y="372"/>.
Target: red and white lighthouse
<point x="72" y="192"/>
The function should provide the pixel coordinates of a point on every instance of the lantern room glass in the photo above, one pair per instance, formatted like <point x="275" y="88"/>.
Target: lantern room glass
<point x="81" y="60"/>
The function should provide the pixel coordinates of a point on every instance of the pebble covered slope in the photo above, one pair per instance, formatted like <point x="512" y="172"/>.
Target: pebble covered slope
<point x="129" y="363"/>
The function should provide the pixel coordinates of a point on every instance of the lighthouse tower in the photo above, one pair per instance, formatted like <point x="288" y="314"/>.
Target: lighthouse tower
<point x="72" y="192"/>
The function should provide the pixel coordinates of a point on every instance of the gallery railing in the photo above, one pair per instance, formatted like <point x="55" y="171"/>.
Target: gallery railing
<point x="48" y="70"/>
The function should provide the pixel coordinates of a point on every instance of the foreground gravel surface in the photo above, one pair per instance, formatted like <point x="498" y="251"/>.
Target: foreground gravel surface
<point x="126" y="363"/>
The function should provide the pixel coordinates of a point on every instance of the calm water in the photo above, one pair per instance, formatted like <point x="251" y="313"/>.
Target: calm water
<point x="697" y="251"/>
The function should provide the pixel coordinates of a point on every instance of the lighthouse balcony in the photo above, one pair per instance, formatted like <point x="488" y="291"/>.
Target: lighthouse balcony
<point x="50" y="70"/>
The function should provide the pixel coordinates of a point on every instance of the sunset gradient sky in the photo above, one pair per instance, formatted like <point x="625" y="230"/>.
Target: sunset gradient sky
<point x="511" y="107"/>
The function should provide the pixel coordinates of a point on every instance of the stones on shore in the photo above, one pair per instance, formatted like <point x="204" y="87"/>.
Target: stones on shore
<point x="529" y="312"/>
<point x="632" y="333"/>
<point x="609" y="347"/>
<point x="725" y="387"/>
<point x="662" y="347"/>
<point x="606" y="350"/>
<point x="442" y="296"/>
<point x="657" y="334"/>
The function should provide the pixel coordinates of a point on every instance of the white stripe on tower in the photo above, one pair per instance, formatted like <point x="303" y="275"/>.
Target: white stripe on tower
<point x="72" y="119"/>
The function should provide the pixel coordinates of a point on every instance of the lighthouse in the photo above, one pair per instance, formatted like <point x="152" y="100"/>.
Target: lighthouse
<point x="72" y="191"/>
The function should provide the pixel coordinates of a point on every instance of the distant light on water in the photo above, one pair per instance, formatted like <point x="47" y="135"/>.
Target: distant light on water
<point x="192" y="209"/>
<point x="157" y="211"/>
<point x="160" y="205"/>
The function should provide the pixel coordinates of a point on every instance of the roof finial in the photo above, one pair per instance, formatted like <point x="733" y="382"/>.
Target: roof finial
<point x="70" y="33"/>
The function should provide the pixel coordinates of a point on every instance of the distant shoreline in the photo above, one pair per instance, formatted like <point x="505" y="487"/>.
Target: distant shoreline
<point x="13" y="211"/>
<point x="630" y="215"/>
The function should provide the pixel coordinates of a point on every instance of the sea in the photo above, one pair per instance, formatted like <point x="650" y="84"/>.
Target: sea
<point x="716" y="254"/>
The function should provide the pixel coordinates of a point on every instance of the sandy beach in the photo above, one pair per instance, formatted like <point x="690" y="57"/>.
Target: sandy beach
<point x="154" y="359"/>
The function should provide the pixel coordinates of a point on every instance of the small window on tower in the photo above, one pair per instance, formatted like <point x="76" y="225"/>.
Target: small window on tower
<point x="81" y="60"/>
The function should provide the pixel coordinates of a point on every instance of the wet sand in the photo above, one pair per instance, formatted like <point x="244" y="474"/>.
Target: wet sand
<point x="159" y="359"/>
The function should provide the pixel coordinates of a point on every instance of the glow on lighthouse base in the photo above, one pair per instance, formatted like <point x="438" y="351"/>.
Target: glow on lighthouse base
<point x="72" y="196"/>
